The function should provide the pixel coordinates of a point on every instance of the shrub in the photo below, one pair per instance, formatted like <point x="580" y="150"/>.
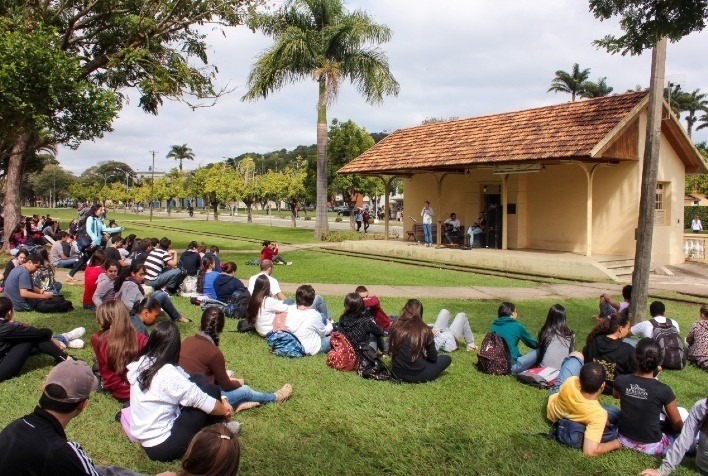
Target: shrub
<point x="338" y="219"/>
<point x="308" y="218"/>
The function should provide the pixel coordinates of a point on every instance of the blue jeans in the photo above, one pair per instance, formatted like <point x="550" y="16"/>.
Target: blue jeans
<point x="571" y="367"/>
<point x="166" y="303"/>
<point x="428" y="233"/>
<point x="246" y="394"/>
<point x="325" y="345"/>
<point x="66" y="263"/>
<point x="170" y="278"/>
<point x="573" y="434"/>
<point x="320" y="306"/>
<point x="524" y="362"/>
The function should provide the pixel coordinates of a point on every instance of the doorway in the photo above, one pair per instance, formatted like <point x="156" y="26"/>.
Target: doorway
<point x="492" y="203"/>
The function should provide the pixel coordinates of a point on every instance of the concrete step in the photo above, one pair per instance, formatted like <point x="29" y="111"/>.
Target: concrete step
<point x="622" y="270"/>
<point x="617" y="263"/>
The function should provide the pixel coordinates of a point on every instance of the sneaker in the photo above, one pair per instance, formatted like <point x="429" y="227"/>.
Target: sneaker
<point x="74" y="334"/>
<point x="233" y="426"/>
<point x="288" y="263"/>
<point x="76" y="344"/>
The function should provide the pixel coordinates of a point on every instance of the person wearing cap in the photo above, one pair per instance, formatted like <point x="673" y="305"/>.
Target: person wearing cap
<point x="36" y="444"/>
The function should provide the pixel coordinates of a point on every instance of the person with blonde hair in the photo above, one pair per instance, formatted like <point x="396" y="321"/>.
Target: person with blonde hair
<point x="116" y="344"/>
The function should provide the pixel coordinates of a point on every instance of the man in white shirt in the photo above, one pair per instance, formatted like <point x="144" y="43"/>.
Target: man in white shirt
<point x="427" y="215"/>
<point x="645" y="328"/>
<point x="267" y="269"/>
<point x="306" y="323"/>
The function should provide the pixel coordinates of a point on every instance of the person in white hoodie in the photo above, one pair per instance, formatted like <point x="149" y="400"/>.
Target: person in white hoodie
<point x="307" y="324"/>
<point x="167" y="406"/>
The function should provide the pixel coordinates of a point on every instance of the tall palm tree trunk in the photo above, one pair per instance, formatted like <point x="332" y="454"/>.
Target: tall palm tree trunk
<point x="12" y="185"/>
<point x="321" y="225"/>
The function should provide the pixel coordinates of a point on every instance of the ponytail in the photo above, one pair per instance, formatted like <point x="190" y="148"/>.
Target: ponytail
<point x="212" y="323"/>
<point x="608" y="326"/>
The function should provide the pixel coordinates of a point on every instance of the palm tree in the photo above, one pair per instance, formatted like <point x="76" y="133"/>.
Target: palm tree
<point x="676" y="98"/>
<point x="570" y="82"/>
<point x="595" y="90"/>
<point x="693" y="103"/>
<point x="180" y="152"/>
<point x="319" y="39"/>
<point x="704" y="122"/>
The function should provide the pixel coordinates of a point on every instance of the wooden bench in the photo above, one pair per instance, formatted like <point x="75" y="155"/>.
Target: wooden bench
<point x="417" y="234"/>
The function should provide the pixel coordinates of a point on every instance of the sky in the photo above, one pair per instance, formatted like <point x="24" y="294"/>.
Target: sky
<point x="452" y="58"/>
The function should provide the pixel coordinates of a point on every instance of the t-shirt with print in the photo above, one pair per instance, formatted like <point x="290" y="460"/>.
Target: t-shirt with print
<point x="641" y="402"/>
<point x="155" y="263"/>
<point x="20" y="278"/>
<point x="645" y="329"/>
<point x="570" y="403"/>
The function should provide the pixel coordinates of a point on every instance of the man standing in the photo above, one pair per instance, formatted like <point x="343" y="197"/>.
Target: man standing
<point x="161" y="267"/>
<point x="427" y="214"/>
<point x="36" y="444"/>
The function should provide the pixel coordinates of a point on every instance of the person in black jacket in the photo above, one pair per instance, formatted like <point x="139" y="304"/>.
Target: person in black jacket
<point x="360" y="329"/>
<point x="606" y="346"/>
<point x="18" y="340"/>
<point x="226" y="283"/>
<point x="412" y="347"/>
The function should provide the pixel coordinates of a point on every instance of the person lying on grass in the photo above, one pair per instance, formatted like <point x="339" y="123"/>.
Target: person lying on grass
<point x="168" y="407"/>
<point x="200" y="354"/>
<point x="411" y="344"/>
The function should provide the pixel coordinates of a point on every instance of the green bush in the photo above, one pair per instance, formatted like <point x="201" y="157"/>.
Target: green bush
<point x="692" y="211"/>
<point x="338" y="219"/>
<point x="308" y="218"/>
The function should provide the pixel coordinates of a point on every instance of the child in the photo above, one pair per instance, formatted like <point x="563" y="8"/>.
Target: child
<point x="697" y="340"/>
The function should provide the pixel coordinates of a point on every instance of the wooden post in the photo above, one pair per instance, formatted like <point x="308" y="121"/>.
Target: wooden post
<point x="387" y="192"/>
<point x="645" y="224"/>
<point x="505" y="218"/>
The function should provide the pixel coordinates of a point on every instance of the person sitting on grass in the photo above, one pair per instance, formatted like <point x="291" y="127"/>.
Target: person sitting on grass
<point x="411" y="344"/>
<point x="167" y="406"/>
<point x="608" y="306"/>
<point x="36" y="444"/>
<point x="200" y="354"/>
<point x="555" y="339"/>
<point x="60" y="252"/>
<point x="144" y="314"/>
<point x="270" y="252"/>
<point x="94" y="269"/>
<point x="214" y="451"/>
<point x="605" y="345"/>
<point x="575" y="398"/>
<point x="162" y="270"/>
<point x="697" y="340"/>
<point x="18" y="341"/>
<point x="643" y="399"/>
<point x="44" y="278"/>
<point x="213" y="253"/>
<point x="226" y="284"/>
<point x="307" y="324"/>
<point x="266" y="267"/>
<point x="115" y="345"/>
<point x="512" y="331"/>
<point x="694" y="428"/>
<point x="360" y="329"/>
<point x="206" y="278"/>
<point x="262" y="308"/>
<point x="20" y="288"/>
<point x="373" y="308"/>
<point x="448" y="336"/>
<point x="18" y="260"/>
<point x="129" y="290"/>
<point x="657" y="309"/>
<point x="105" y="285"/>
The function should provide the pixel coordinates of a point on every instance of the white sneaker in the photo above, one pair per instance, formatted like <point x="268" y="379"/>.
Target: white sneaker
<point x="233" y="426"/>
<point x="74" y="334"/>
<point x="76" y="344"/>
<point x="288" y="263"/>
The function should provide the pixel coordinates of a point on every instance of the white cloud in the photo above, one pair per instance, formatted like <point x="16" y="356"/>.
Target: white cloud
<point x="452" y="58"/>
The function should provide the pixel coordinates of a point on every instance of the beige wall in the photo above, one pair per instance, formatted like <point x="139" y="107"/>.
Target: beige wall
<point x="551" y="205"/>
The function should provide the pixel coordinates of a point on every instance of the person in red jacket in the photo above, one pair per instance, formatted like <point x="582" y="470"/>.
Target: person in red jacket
<point x="373" y="307"/>
<point x="270" y="252"/>
<point x="93" y="270"/>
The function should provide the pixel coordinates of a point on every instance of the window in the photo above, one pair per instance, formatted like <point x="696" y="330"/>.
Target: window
<point x="660" y="215"/>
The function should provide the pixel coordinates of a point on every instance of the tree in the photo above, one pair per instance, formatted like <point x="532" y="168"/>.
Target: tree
<point x="319" y="39"/>
<point x="596" y="90"/>
<point x="571" y="83"/>
<point x="648" y="24"/>
<point x="216" y="184"/>
<point x="62" y="63"/>
<point x="694" y="102"/>
<point x="180" y="152"/>
<point x="52" y="182"/>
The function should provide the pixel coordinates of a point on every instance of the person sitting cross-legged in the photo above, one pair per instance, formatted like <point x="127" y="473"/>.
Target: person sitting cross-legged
<point x="161" y="268"/>
<point x="306" y="323"/>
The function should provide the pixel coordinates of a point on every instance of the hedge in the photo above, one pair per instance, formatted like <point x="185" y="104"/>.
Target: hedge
<point x="692" y="211"/>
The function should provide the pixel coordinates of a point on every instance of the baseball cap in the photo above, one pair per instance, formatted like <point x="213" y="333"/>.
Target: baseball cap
<point x="75" y="379"/>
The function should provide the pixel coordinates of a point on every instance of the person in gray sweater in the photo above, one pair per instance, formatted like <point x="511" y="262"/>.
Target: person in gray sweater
<point x="105" y="286"/>
<point x="129" y="290"/>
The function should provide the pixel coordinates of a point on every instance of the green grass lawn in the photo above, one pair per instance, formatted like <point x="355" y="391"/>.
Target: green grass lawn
<point x="338" y="423"/>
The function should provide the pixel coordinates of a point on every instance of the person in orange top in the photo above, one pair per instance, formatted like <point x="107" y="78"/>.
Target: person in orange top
<point x="93" y="270"/>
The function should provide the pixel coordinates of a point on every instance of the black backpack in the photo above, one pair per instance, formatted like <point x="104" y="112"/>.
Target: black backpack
<point x="672" y="349"/>
<point x="493" y="357"/>
<point x="237" y="304"/>
<point x="83" y="240"/>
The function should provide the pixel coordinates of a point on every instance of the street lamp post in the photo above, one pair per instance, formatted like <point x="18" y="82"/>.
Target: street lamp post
<point x="152" y="183"/>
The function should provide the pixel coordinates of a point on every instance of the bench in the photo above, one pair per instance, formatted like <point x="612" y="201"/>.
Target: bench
<point x="417" y="234"/>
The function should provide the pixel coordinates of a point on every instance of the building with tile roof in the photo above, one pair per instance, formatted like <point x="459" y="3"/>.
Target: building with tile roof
<point x="560" y="178"/>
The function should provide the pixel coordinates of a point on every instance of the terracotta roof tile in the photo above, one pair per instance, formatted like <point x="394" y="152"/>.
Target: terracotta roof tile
<point x="569" y="130"/>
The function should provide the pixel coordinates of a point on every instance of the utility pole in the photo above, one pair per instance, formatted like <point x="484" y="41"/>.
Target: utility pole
<point x="647" y="205"/>
<point x="152" y="183"/>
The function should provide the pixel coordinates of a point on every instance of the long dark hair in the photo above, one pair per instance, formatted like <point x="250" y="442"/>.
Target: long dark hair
<point x="261" y="290"/>
<point x="162" y="348"/>
<point x="5" y="307"/>
<point x="354" y="306"/>
<point x="648" y="355"/>
<point x="127" y="271"/>
<point x="608" y="326"/>
<point x="214" y="451"/>
<point x="410" y="329"/>
<point x="149" y="303"/>
<point x="203" y="270"/>
<point x="212" y="323"/>
<point x="555" y="326"/>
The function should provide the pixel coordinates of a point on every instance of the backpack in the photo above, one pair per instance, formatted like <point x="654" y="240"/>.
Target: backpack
<point x="370" y="365"/>
<point x="342" y="356"/>
<point x="54" y="304"/>
<point x="284" y="344"/>
<point x="494" y="357"/>
<point x="237" y="304"/>
<point x="83" y="240"/>
<point x="672" y="350"/>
